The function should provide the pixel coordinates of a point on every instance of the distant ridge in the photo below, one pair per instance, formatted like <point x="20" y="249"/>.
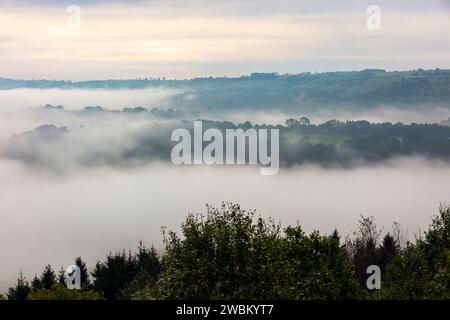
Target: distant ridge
<point x="343" y="89"/>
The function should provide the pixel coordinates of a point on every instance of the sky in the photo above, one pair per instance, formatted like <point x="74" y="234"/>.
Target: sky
<point x="191" y="38"/>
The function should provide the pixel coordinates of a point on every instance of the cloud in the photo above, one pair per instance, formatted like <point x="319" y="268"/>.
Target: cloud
<point x="185" y="39"/>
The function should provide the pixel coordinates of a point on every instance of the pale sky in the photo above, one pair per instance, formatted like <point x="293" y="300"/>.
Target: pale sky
<point x="184" y="39"/>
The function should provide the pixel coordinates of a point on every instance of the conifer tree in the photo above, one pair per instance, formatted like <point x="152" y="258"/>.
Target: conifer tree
<point x="36" y="283"/>
<point x="84" y="274"/>
<point x="48" y="277"/>
<point x="21" y="290"/>
<point x="62" y="277"/>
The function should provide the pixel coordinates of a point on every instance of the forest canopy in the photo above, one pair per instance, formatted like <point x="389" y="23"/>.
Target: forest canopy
<point x="231" y="253"/>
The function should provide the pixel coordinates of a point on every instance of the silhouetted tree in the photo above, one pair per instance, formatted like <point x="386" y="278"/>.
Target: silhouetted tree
<point x="387" y="251"/>
<point x="62" y="277"/>
<point x="148" y="270"/>
<point x="48" y="277"/>
<point x="84" y="274"/>
<point x="363" y="248"/>
<point x="20" y="291"/>
<point x="36" y="283"/>
<point x="113" y="275"/>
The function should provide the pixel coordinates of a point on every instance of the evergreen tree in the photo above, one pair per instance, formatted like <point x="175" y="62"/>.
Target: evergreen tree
<point x="84" y="274"/>
<point x="148" y="269"/>
<point x="148" y="262"/>
<point x="388" y="249"/>
<point x="36" y="283"/>
<point x="20" y="291"/>
<point x="48" y="277"/>
<point x="62" y="277"/>
<point x="363" y="249"/>
<point x="336" y="236"/>
<point x="114" y="275"/>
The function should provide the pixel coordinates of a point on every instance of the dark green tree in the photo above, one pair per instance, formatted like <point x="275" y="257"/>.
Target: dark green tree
<point x="84" y="274"/>
<point x="48" y="277"/>
<point x="230" y="254"/>
<point x="21" y="290"/>
<point x="422" y="269"/>
<point x="362" y="249"/>
<point x="36" y="283"/>
<point x="113" y="275"/>
<point x="316" y="267"/>
<point x="387" y="251"/>
<point x="148" y="269"/>
<point x="62" y="277"/>
<point x="227" y="254"/>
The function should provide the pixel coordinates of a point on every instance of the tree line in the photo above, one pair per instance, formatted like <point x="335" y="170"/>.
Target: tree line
<point x="231" y="253"/>
<point x="305" y="91"/>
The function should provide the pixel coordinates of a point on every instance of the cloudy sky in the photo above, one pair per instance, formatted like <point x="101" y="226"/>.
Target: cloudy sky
<point x="183" y="39"/>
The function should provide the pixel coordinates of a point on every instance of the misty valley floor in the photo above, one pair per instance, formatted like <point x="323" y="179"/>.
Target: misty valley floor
<point x="89" y="213"/>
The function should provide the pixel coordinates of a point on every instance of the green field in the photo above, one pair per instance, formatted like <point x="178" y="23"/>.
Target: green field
<point x="327" y="138"/>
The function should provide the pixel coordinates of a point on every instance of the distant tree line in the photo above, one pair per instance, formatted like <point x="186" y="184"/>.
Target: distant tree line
<point x="346" y="144"/>
<point x="361" y="140"/>
<point x="331" y="144"/>
<point x="230" y="253"/>
<point x="268" y="91"/>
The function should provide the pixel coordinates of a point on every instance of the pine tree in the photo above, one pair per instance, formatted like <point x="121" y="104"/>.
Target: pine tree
<point x="113" y="275"/>
<point x="84" y="275"/>
<point x="48" y="277"/>
<point x="148" y="262"/>
<point x="387" y="251"/>
<point x="335" y="236"/>
<point x="21" y="290"/>
<point x="62" y="277"/>
<point x="36" y="283"/>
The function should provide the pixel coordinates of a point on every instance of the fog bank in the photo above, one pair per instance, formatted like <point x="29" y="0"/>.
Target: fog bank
<point x="52" y="218"/>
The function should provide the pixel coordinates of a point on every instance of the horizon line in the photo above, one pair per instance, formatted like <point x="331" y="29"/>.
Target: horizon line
<point x="273" y="73"/>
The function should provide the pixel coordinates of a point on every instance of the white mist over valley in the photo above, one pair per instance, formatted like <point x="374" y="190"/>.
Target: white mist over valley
<point x="83" y="198"/>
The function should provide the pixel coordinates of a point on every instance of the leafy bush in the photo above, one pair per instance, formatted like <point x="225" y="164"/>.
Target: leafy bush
<point x="230" y="254"/>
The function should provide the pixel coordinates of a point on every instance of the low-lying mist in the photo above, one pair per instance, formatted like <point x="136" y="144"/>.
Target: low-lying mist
<point x="52" y="218"/>
<point x="16" y="100"/>
<point x="94" y="208"/>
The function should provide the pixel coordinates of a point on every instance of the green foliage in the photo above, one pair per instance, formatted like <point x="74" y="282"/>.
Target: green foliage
<point x="422" y="270"/>
<point x="225" y="255"/>
<point x="148" y="270"/>
<point x="20" y="291"/>
<point x="350" y="90"/>
<point x="230" y="254"/>
<point x="84" y="274"/>
<point x="363" y="248"/>
<point x="61" y="277"/>
<point x="36" y="284"/>
<point x="122" y="274"/>
<point x="113" y="275"/>
<point x="60" y="292"/>
<point x="343" y="143"/>
<point x="48" y="277"/>
<point x="316" y="267"/>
